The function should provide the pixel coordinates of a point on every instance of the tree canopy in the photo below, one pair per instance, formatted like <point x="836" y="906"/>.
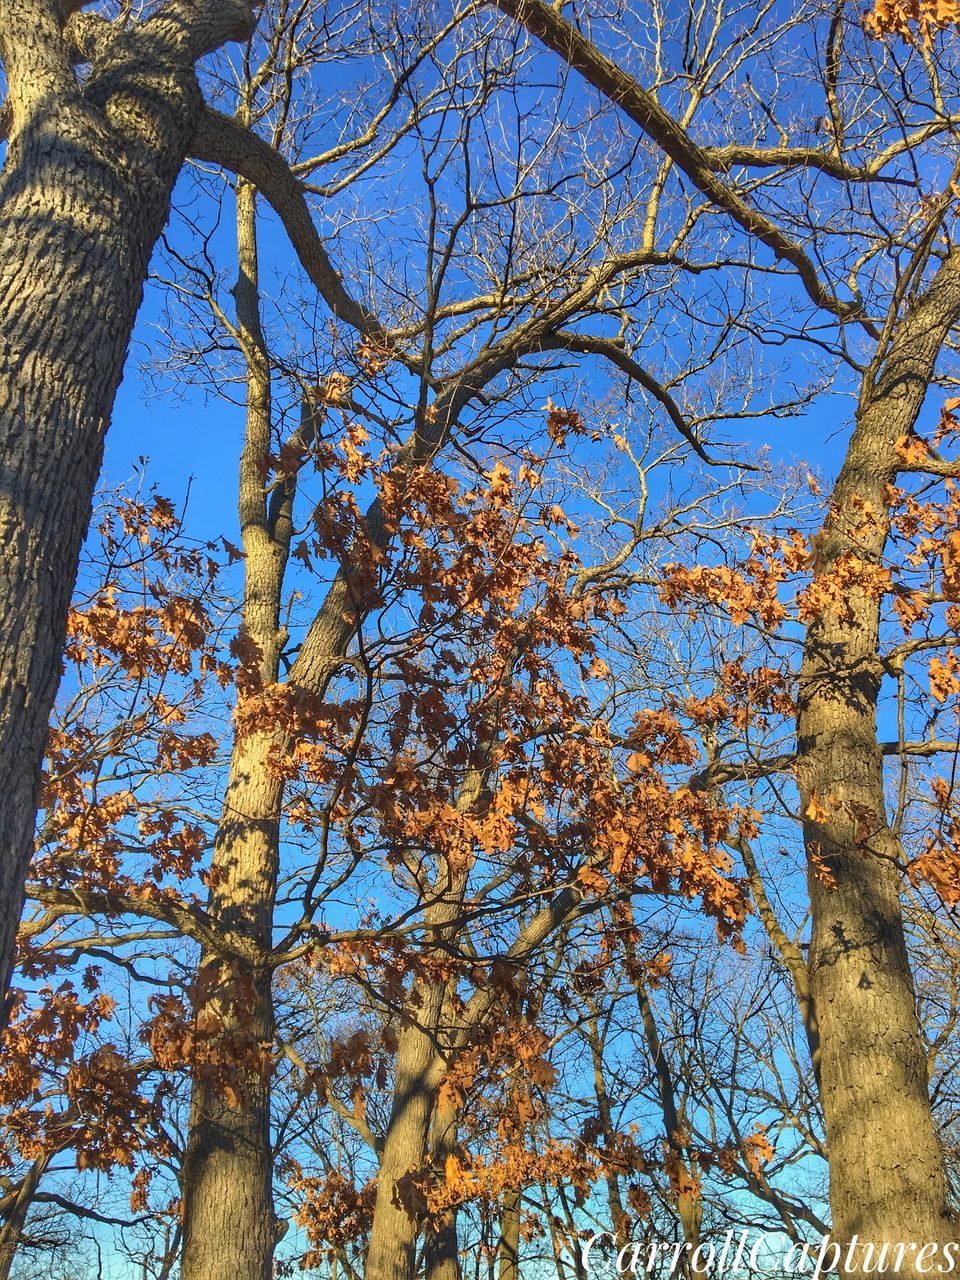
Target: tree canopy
<point x="479" y="672"/>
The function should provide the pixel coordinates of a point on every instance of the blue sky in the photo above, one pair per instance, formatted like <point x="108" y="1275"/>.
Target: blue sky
<point x="192" y="438"/>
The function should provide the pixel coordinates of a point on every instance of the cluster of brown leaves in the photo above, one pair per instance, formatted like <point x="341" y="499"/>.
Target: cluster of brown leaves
<point x="938" y="862"/>
<point x="909" y="18"/>
<point x="142" y="653"/>
<point x="334" y="1213"/>
<point x="212" y="1031"/>
<point x="63" y="1087"/>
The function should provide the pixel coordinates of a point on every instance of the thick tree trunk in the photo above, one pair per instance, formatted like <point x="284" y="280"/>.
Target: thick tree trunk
<point x="84" y="195"/>
<point x="229" y="1229"/>
<point x="886" y="1169"/>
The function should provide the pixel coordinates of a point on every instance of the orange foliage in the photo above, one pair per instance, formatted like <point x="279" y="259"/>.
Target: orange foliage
<point x="903" y="17"/>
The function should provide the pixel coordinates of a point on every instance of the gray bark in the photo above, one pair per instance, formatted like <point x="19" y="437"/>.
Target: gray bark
<point x="84" y="194"/>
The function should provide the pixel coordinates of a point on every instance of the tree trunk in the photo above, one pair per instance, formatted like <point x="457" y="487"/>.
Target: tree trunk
<point x="229" y="1228"/>
<point x="391" y="1252"/>
<point x="509" y="1248"/>
<point x="14" y="1207"/>
<point x="684" y="1180"/>
<point x="441" y="1251"/>
<point x="886" y="1169"/>
<point x="619" y="1218"/>
<point x="422" y="1056"/>
<point x="226" y="1179"/>
<point x="84" y="195"/>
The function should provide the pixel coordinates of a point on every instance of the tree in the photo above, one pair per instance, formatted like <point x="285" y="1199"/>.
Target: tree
<point x="887" y="1179"/>
<point x="511" y="681"/>
<point x="477" y="326"/>
<point x="84" y="195"/>
<point x="84" y="1082"/>
<point x="99" y="119"/>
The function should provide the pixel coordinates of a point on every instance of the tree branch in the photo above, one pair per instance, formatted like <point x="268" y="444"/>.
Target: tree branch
<point x="34" y="58"/>
<point x="615" y="352"/>
<point x="545" y="22"/>
<point x="787" y="949"/>
<point x="190" y="920"/>
<point x="220" y="140"/>
<point x="723" y="771"/>
<point x="201" y="28"/>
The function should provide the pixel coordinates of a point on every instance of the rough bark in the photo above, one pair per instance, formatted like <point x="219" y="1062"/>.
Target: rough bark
<point x="229" y="1229"/>
<point x="886" y="1169"/>
<point x="84" y="195"/>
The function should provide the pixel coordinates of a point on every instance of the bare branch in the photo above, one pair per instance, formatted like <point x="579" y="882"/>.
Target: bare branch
<point x="220" y="140"/>
<point x="545" y="22"/>
<point x="190" y="920"/>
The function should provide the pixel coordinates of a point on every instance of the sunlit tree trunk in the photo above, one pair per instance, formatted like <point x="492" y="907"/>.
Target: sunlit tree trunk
<point x="228" y="1216"/>
<point x="391" y="1253"/>
<point x="229" y="1228"/>
<point x="509" y="1247"/>
<point x="886" y="1168"/>
<point x="422" y="1056"/>
<point x="84" y="195"/>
